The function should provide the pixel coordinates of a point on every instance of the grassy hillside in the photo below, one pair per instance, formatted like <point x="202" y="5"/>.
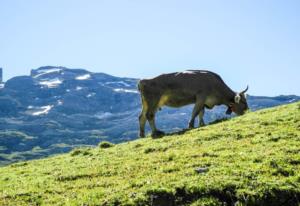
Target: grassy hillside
<point x="249" y="160"/>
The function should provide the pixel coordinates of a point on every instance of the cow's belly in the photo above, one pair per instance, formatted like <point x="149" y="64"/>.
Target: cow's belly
<point x="176" y="101"/>
<point x="210" y="102"/>
<point x="185" y="99"/>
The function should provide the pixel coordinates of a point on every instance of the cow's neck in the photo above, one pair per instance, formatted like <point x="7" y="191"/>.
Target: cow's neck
<point x="228" y="96"/>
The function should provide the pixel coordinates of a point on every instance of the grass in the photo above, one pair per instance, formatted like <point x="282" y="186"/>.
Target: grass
<point x="248" y="160"/>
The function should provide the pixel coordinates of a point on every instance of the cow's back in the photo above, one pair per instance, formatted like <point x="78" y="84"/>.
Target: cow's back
<point x="188" y="80"/>
<point x="179" y="89"/>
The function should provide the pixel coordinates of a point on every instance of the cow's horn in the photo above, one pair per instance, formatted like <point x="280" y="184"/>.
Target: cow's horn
<point x="243" y="92"/>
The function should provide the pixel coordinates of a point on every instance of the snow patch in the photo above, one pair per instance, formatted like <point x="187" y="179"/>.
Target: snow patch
<point x="59" y="102"/>
<point x="40" y="110"/>
<point x="126" y="90"/>
<point x="187" y="72"/>
<point x="46" y="71"/>
<point x="292" y="100"/>
<point x="45" y="110"/>
<point x="103" y="115"/>
<point x="90" y="95"/>
<point x="83" y="77"/>
<point x="13" y="121"/>
<point x="119" y="82"/>
<point x="192" y="72"/>
<point x="53" y="83"/>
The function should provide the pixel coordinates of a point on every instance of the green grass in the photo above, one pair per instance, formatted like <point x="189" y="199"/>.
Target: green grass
<point x="248" y="160"/>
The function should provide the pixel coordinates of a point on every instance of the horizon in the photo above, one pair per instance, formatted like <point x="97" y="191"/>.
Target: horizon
<point x="247" y="43"/>
<point x="250" y="94"/>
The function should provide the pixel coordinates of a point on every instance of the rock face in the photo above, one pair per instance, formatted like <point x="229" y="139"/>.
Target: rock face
<point x="56" y="108"/>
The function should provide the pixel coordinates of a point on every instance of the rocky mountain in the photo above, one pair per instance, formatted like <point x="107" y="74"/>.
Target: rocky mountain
<point x="56" y="108"/>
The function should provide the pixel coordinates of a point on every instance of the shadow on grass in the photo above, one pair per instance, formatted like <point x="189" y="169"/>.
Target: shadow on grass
<point x="219" y="120"/>
<point x="183" y="131"/>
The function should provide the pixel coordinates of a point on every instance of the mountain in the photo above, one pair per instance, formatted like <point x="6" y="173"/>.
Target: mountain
<point x="249" y="160"/>
<point x="56" y="109"/>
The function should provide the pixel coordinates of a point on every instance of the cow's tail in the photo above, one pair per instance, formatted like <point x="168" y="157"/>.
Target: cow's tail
<point x="141" y="86"/>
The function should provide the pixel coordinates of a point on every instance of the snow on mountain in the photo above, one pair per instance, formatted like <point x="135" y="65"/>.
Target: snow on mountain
<point x="42" y="72"/>
<point x="118" y="83"/>
<point x="78" y="88"/>
<point x="60" y="102"/>
<point x="37" y="111"/>
<point x="83" y="77"/>
<point x="52" y="83"/>
<point x="90" y="95"/>
<point x="125" y="90"/>
<point x="103" y="115"/>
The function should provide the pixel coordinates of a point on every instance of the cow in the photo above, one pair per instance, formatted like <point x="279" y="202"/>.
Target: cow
<point x="203" y="88"/>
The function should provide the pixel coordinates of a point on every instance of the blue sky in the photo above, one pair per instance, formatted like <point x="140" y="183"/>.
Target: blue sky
<point x="255" y="42"/>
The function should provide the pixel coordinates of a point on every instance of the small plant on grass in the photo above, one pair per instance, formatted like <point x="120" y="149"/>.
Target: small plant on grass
<point x="80" y="151"/>
<point x="149" y="150"/>
<point x="105" y="144"/>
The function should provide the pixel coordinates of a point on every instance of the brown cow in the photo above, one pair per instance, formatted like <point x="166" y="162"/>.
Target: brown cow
<point x="203" y="88"/>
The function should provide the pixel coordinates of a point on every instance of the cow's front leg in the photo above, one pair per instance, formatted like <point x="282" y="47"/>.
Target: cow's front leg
<point x="155" y="131"/>
<point x="201" y="121"/>
<point x="195" y="112"/>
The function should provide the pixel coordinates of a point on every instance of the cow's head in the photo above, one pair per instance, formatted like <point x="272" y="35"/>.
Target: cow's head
<point x="239" y="104"/>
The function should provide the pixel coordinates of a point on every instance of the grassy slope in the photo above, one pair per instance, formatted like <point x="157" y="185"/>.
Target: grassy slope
<point x="253" y="159"/>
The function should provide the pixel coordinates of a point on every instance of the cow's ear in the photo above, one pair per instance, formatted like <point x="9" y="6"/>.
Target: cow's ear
<point x="237" y="98"/>
<point x="229" y="111"/>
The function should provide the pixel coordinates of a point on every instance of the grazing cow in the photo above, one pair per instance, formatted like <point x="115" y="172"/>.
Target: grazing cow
<point x="203" y="88"/>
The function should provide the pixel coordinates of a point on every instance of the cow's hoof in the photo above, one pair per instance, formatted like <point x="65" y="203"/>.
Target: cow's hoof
<point x="191" y="127"/>
<point x="157" y="134"/>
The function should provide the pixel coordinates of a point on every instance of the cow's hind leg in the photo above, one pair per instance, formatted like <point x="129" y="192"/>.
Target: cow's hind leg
<point x="201" y="121"/>
<point x="142" y="120"/>
<point x="142" y="117"/>
<point x="199" y="106"/>
<point x="151" y="118"/>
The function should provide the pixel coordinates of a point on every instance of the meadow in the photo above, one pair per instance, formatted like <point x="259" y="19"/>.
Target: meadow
<point x="253" y="159"/>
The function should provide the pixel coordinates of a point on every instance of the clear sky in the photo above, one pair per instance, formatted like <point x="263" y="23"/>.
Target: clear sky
<point x="255" y="42"/>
